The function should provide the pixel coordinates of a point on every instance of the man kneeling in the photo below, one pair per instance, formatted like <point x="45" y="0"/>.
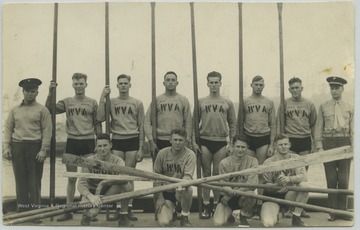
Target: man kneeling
<point x="179" y="162"/>
<point x="91" y="189"/>
<point x="289" y="177"/>
<point x="238" y="161"/>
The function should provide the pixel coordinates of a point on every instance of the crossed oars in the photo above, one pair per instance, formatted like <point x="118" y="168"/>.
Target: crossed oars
<point x="315" y="158"/>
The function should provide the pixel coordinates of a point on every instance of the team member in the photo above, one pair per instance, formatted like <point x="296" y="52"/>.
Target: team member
<point x="176" y="161"/>
<point x="217" y="122"/>
<point x="26" y="141"/>
<point x="238" y="161"/>
<point x="126" y="125"/>
<point x="173" y="111"/>
<point x="91" y="189"/>
<point x="334" y="128"/>
<point x="289" y="177"/>
<point x="81" y="126"/>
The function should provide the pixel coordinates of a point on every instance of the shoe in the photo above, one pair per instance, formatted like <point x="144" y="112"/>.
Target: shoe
<point x="297" y="222"/>
<point x="231" y="219"/>
<point x="342" y="217"/>
<point x="206" y="214"/>
<point x="85" y="220"/>
<point x="131" y="215"/>
<point x="175" y="216"/>
<point x="304" y="214"/>
<point x="184" y="221"/>
<point x="288" y="214"/>
<point x="113" y="216"/>
<point x="124" y="221"/>
<point x="332" y="217"/>
<point x="243" y="222"/>
<point x="257" y="211"/>
<point x="65" y="217"/>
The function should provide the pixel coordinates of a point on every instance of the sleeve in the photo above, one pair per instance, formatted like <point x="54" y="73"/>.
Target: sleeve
<point x="189" y="168"/>
<point x="158" y="167"/>
<point x="272" y="122"/>
<point x="9" y="129"/>
<point x="223" y="170"/>
<point x="268" y="176"/>
<point x="313" y="115"/>
<point x="187" y="118"/>
<point x="148" y="125"/>
<point x="319" y="128"/>
<point x="351" y="125"/>
<point x="83" y="186"/>
<point x="140" y="120"/>
<point x="97" y="123"/>
<point x="195" y="123"/>
<point x="231" y="120"/>
<point x="278" y="129"/>
<point x="100" y="115"/>
<point x="46" y="128"/>
<point x="253" y="178"/>
<point x="60" y="106"/>
<point x="301" y="176"/>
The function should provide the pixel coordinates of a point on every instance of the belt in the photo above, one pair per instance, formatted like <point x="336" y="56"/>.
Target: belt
<point x="336" y="135"/>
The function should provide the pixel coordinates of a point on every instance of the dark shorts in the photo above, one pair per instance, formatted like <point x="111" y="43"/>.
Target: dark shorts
<point x="212" y="146"/>
<point x="80" y="147"/>
<point x="257" y="142"/>
<point x="162" y="144"/>
<point x="300" y="144"/>
<point x="170" y="196"/>
<point x="233" y="203"/>
<point x="125" y="145"/>
<point x="278" y="196"/>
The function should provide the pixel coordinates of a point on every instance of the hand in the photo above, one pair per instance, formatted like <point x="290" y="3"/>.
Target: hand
<point x="7" y="154"/>
<point x="153" y="146"/>
<point x="196" y="148"/>
<point x="41" y="156"/>
<point x="282" y="180"/>
<point x="95" y="200"/>
<point x="53" y="85"/>
<point x="106" y="91"/>
<point x="161" y="202"/>
<point x="225" y="200"/>
<point x="139" y="155"/>
<point x="283" y="190"/>
<point x="270" y="151"/>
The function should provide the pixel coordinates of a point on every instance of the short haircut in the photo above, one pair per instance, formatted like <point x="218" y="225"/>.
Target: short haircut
<point x="240" y="137"/>
<point x="281" y="136"/>
<point x="170" y="72"/>
<point x="257" y="78"/>
<point x="294" y="80"/>
<point x="78" y="76"/>
<point x="103" y="136"/>
<point x="124" y="76"/>
<point x="214" y="74"/>
<point x="180" y="132"/>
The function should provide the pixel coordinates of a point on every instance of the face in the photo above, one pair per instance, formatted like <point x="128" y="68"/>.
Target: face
<point x="214" y="84"/>
<point x="103" y="148"/>
<point x="30" y="94"/>
<point x="257" y="87"/>
<point x="178" y="142"/>
<point x="79" y="86"/>
<point x="283" y="146"/>
<point x="295" y="89"/>
<point x="123" y="85"/>
<point x="336" y="91"/>
<point x="240" y="148"/>
<point x="170" y="82"/>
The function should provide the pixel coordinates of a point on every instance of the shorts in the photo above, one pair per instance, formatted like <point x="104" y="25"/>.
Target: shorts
<point x="162" y="144"/>
<point x="80" y="147"/>
<point x="169" y="196"/>
<point x="276" y="195"/>
<point x="257" y="142"/>
<point x="125" y="145"/>
<point x="246" y="204"/>
<point x="300" y="144"/>
<point x="213" y="146"/>
<point x="233" y="203"/>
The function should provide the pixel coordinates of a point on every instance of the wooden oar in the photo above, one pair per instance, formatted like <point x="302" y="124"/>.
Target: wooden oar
<point x="281" y="53"/>
<point x="107" y="69"/>
<point x="153" y="80"/>
<point x="231" y="184"/>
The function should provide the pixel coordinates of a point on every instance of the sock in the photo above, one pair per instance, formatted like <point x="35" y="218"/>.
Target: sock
<point x="185" y="213"/>
<point x="123" y="213"/>
<point x="206" y="202"/>
<point x="296" y="214"/>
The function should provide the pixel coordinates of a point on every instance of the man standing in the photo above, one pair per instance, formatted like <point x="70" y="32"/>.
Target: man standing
<point x="289" y="177"/>
<point x="334" y="128"/>
<point x="179" y="162"/>
<point x="217" y="122"/>
<point x="238" y="161"/>
<point x="26" y="142"/>
<point x="126" y="126"/>
<point x="173" y="111"/>
<point x="81" y="127"/>
<point x="92" y="189"/>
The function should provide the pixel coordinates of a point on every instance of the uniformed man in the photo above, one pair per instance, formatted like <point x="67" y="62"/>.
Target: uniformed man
<point x="26" y="142"/>
<point x="334" y="128"/>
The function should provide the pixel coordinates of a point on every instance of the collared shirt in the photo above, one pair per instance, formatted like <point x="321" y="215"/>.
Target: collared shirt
<point x="28" y="123"/>
<point x="326" y="118"/>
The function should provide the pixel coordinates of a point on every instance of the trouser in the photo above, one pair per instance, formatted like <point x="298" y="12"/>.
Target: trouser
<point x="28" y="173"/>
<point x="337" y="172"/>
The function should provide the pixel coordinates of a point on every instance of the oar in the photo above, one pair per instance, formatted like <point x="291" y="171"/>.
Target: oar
<point x="153" y="79"/>
<point x="196" y="119"/>
<point x="281" y="53"/>
<point x="107" y="69"/>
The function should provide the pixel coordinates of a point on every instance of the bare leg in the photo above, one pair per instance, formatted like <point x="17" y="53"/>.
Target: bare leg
<point x="221" y="215"/>
<point x="269" y="214"/>
<point x="207" y="158"/>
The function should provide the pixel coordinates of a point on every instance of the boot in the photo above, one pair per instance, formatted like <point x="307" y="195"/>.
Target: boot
<point x="297" y="222"/>
<point x="85" y="220"/>
<point x="124" y="221"/>
<point x="206" y="214"/>
<point x="184" y="221"/>
<point x="243" y="222"/>
<point x="131" y="215"/>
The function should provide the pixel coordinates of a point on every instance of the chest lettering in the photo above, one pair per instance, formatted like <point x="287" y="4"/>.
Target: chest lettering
<point x="214" y="108"/>
<point x="256" y="109"/>
<point x="123" y="110"/>
<point x="169" y="107"/>
<point x="173" y="168"/>
<point x="77" y="112"/>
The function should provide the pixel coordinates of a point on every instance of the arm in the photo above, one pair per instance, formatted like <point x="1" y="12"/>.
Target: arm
<point x="46" y="133"/>
<point x="195" y="145"/>
<point x="97" y="123"/>
<point x="148" y="131"/>
<point x="140" y="120"/>
<point x="278" y="130"/>
<point x="187" y="119"/>
<point x="60" y="106"/>
<point x="101" y="108"/>
<point x="189" y="168"/>
<point x="319" y="129"/>
<point x="312" y="120"/>
<point x="231" y="121"/>
<point x="252" y="178"/>
<point x="351" y="127"/>
<point x="9" y="129"/>
<point x="301" y="176"/>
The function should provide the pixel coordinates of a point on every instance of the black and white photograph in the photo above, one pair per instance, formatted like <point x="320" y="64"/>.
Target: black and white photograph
<point x="178" y="114"/>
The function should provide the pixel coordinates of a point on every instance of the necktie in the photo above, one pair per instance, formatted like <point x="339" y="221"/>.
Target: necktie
<point x="339" y="118"/>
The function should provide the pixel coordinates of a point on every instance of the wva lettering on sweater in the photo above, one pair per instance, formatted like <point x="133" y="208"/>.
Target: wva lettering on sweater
<point x="256" y="108"/>
<point x="214" y="108"/>
<point x="297" y="113"/>
<point x="123" y="110"/>
<point x="77" y="111"/>
<point x="169" y="107"/>
<point x="173" y="168"/>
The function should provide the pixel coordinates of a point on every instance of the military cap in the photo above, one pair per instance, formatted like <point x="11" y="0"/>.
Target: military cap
<point x="30" y="83"/>
<point x="334" y="80"/>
